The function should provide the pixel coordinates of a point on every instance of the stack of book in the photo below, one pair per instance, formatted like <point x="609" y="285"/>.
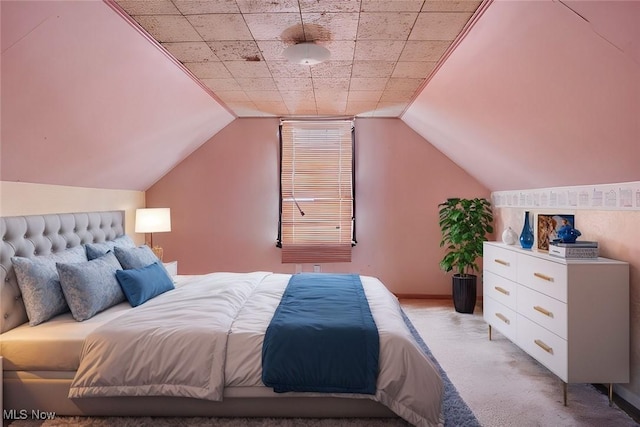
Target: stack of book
<point x="578" y="249"/>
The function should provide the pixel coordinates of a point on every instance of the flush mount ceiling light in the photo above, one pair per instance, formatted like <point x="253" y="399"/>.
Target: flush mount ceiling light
<point x="306" y="53"/>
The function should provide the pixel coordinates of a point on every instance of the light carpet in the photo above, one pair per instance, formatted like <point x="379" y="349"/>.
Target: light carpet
<point x="502" y="384"/>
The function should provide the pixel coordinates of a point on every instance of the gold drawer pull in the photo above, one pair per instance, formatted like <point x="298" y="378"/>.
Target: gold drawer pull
<point x="499" y="261"/>
<point x="543" y="277"/>
<point x="543" y="346"/>
<point x="501" y="290"/>
<point x="503" y="318"/>
<point x="543" y="311"/>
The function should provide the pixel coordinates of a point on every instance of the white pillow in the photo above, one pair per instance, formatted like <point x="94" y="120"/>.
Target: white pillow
<point x="171" y="267"/>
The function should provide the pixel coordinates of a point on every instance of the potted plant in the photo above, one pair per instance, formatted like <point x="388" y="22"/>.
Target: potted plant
<point x="464" y="224"/>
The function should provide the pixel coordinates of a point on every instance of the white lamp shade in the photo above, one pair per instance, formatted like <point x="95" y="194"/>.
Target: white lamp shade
<point x="306" y="53"/>
<point x="153" y="220"/>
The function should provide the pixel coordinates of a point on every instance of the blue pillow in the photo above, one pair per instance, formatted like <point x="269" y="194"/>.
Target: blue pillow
<point x="142" y="284"/>
<point x="96" y="250"/>
<point x="40" y="285"/>
<point x="90" y="287"/>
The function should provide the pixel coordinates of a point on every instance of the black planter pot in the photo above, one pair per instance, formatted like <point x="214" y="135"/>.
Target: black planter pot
<point x="464" y="293"/>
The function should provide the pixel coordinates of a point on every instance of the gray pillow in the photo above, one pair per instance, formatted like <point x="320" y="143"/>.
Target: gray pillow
<point x="142" y="256"/>
<point x="40" y="285"/>
<point x="96" y="250"/>
<point x="139" y="257"/>
<point x="91" y="286"/>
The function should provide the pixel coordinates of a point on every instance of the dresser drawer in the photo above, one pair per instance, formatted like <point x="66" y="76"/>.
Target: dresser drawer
<point x="545" y="276"/>
<point x="500" y="289"/>
<point x="563" y="307"/>
<point x="543" y="345"/>
<point x="500" y="317"/>
<point x="500" y="261"/>
<point x="543" y="310"/>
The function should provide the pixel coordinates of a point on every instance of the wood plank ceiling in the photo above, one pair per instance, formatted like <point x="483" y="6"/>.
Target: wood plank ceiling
<point x="382" y="51"/>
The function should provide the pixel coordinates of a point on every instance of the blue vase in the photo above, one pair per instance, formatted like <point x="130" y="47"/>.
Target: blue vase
<point x="526" y="237"/>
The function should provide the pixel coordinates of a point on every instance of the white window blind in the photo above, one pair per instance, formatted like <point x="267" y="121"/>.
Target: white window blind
<point x="316" y="182"/>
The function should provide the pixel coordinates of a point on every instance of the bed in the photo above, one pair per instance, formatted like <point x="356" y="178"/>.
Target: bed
<point x="49" y="366"/>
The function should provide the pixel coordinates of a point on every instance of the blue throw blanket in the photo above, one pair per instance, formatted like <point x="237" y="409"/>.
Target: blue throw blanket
<point x="322" y="337"/>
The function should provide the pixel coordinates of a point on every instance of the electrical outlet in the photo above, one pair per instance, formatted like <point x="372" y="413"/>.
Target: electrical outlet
<point x="298" y="268"/>
<point x="316" y="268"/>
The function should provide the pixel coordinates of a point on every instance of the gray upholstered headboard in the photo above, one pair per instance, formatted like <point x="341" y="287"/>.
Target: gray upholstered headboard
<point x="34" y="235"/>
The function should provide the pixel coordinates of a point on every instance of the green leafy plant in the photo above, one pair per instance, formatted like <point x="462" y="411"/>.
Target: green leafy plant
<point x="464" y="224"/>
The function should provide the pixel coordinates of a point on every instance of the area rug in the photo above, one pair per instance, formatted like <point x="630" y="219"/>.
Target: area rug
<point x="455" y="410"/>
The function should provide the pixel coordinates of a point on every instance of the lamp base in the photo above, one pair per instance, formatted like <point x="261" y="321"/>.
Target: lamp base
<point x="158" y="251"/>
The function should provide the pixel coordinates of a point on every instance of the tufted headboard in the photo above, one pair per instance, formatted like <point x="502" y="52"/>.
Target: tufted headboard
<point x="33" y="235"/>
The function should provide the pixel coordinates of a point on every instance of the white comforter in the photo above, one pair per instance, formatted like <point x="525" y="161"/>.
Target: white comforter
<point x="197" y="339"/>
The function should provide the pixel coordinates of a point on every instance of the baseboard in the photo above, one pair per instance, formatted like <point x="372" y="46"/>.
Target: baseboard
<point x="422" y="296"/>
<point x="628" y="402"/>
<point x="429" y="296"/>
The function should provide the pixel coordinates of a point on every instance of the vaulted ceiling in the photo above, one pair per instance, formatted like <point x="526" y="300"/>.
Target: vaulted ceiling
<point x="381" y="52"/>
<point x="530" y="94"/>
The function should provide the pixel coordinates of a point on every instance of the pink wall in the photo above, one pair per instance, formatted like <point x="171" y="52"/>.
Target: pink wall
<point x="544" y="97"/>
<point x="224" y="203"/>
<point x="80" y="84"/>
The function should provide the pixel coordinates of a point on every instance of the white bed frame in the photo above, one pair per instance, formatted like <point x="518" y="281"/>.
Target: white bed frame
<point x="34" y="235"/>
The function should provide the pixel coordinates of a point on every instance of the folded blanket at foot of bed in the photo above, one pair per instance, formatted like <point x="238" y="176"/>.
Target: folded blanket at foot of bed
<point x="322" y="337"/>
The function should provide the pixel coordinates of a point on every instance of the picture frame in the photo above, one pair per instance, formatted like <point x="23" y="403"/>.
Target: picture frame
<point x="548" y="226"/>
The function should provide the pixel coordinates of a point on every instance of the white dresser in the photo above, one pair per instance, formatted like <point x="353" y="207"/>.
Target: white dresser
<point x="572" y="315"/>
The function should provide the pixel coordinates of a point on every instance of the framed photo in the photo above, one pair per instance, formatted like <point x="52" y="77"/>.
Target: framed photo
<point x="548" y="226"/>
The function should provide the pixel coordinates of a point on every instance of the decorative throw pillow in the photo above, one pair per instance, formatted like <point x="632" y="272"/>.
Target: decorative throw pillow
<point x="142" y="284"/>
<point x="91" y="287"/>
<point x="135" y="257"/>
<point x="40" y="285"/>
<point x="96" y="250"/>
<point x="139" y="257"/>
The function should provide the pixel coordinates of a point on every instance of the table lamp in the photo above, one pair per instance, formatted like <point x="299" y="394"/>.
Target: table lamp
<point x="153" y="220"/>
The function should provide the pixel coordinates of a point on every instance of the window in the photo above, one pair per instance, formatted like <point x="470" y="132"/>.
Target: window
<point x="317" y="207"/>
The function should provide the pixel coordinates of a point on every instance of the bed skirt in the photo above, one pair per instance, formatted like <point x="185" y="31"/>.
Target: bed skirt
<point x="47" y="391"/>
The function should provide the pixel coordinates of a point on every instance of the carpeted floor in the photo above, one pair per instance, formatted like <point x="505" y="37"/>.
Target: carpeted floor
<point x="213" y="422"/>
<point x="500" y="383"/>
<point x="503" y="385"/>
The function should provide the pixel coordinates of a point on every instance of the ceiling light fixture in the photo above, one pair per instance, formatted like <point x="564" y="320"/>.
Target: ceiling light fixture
<point x="306" y="53"/>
